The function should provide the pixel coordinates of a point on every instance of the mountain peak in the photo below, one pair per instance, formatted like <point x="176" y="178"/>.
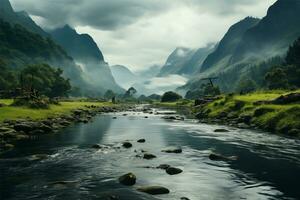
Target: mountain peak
<point x="5" y="6"/>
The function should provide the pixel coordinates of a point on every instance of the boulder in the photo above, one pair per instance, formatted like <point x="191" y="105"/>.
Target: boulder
<point x="174" y="150"/>
<point x="184" y="198"/>
<point x="173" y="171"/>
<point x="154" y="190"/>
<point x="141" y="141"/>
<point x="127" y="145"/>
<point x="96" y="146"/>
<point x="45" y="128"/>
<point x="163" y="166"/>
<point x="287" y="99"/>
<point x="148" y="156"/>
<point x="261" y="111"/>
<point x="219" y="157"/>
<point x="128" y="179"/>
<point x="26" y="127"/>
<point x="221" y="130"/>
<point x="8" y="146"/>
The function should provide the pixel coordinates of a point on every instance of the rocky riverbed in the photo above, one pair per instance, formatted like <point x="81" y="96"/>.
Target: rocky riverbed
<point x="151" y="154"/>
<point x="22" y="129"/>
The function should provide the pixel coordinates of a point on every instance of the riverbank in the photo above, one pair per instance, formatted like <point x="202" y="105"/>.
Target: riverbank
<point x="21" y="123"/>
<point x="272" y="111"/>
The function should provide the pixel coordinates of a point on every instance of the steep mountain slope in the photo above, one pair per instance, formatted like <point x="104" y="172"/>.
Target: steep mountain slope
<point x="254" y="49"/>
<point x="86" y="53"/>
<point x="176" y="61"/>
<point x="19" y="47"/>
<point x="123" y="76"/>
<point x="272" y="35"/>
<point x="22" y="18"/>
<point x="86" y="49"/>
<point x="184" y="61"/>
<point x="227" y="46"/>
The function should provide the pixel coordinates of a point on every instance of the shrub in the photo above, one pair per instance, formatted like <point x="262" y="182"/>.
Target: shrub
<point x="170" y="97"/>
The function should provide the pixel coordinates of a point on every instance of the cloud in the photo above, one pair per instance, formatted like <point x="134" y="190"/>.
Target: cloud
<point x="140" y="33"/>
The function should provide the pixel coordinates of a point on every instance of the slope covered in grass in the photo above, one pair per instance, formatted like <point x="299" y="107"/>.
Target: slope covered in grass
<point x="251" y="110"/>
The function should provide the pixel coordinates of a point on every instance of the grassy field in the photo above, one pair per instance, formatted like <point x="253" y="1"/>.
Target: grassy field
<point x="178" y="104"/>
<point x="276" y="118"/>
<point x="9" y="112"/>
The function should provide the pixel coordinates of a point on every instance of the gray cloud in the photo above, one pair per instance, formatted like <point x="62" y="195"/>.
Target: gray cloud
<point x="140" y="33"/>
<point x="113" y="14"/>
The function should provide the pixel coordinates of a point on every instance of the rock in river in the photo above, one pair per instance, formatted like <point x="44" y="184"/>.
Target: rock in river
<point x="127" y="145"/>
<point x="149" y="156"/>
<point x="163" y="166"/>
<point x="141" y="141"/>
<point x="173" y="150"/>
<point x="154" y="190"/>
<point x="219" y="157"/>
<point x="220" y="130"/>
<point x="173" y="171"/>
<point x="128" y="179"/>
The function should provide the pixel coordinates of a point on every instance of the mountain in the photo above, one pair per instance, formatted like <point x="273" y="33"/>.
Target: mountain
<point x="20" y="47"/>
<point x="86" y="53"/>
<point x="86" y="48"/>
<point x="22" y="18"/>
<point x="252" y="46"/>
<point x="185" y="61"/>
<point x="227" y="46"/>
<point x="272" y="35"/>
<point x="176" y="61"/>
<point x="123" y="76"/>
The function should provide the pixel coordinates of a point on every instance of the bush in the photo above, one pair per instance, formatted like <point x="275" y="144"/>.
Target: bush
<point x="170" y="97"/>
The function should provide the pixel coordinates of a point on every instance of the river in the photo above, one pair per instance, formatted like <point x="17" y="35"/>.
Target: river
<point x="268" y="166"/>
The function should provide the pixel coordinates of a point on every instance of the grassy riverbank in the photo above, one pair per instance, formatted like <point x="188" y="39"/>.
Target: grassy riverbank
<point x="10" y="112"/>
<point x="247" y="109"/>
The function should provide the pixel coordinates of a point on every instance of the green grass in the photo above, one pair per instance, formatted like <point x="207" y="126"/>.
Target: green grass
<point x="177" y="104"/>
<point x="278" y="118"/>
<point x="10" y="112"/>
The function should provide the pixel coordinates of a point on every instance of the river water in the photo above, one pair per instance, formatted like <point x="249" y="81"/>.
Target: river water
<point x="268" y="166"/>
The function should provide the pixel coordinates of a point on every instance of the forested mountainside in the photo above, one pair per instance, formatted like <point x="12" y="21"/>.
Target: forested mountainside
<point x="22" y="18"/>
<point x="87" y="54"/>
<point x="23" y="42"/>
<point x="252" y="46"/>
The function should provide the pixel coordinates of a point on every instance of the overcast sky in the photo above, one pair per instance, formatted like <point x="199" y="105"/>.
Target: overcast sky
<point x="140" y="33"/>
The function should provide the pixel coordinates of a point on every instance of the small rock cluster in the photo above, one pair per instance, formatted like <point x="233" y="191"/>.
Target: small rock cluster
<point x="129" y="179"/>
<point x="21" y="129"/>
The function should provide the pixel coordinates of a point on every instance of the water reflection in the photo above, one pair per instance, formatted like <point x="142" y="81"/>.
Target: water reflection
<point x="264" y="169"/>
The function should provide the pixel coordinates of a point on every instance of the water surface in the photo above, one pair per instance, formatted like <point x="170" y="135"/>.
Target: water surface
<point x="268" y="166"/>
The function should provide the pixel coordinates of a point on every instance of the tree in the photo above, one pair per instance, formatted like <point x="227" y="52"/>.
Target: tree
<point x="277" y="79"/>
<point x="8" y="79"/>
<point x="130" y="92"/>
<point x="170" y="97"/>
<point x="293" y="55"/>
<point x="46" y="80"/>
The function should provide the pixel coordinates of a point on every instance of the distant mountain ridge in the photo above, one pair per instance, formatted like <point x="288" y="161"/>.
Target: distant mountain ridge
<point x="251" y="42"/>
<point x="123" y="76"/>
<point x="79" y="46"/>
<point x="8" y="14"/>
<point x="27" y="43"/>
<point x="86" y="53"/>
<point x="227" y="46"/>
<point x="185" y="61"/>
